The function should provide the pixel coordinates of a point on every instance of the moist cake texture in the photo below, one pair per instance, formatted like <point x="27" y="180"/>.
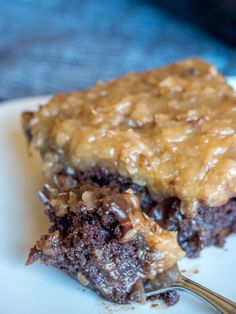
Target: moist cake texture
<point x="210" y="225"/>
<point x="139" y="171"/>
<point x="101" y="238"/>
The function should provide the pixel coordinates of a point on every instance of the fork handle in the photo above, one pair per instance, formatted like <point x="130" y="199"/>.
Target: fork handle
<point x="220" y="304"/>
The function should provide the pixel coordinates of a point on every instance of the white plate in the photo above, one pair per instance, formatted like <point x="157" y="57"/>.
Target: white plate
<point x="39" y="289"/>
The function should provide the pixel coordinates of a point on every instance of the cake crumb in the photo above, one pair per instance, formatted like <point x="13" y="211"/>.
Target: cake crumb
<point x="190" y="272"/>
<point x="154" y="305"/>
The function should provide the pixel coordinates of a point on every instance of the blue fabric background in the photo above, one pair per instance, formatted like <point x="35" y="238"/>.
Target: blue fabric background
<point x="54" y="45"/>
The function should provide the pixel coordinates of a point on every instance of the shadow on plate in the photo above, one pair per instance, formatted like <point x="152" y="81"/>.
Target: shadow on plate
<point x="31" y="180"/>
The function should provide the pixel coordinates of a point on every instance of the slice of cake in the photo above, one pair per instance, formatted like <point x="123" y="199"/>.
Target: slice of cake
<point x="141" y="169"/>
<point x="102" y="238"/>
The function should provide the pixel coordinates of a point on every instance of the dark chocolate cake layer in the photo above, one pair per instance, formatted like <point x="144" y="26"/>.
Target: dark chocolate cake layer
<point x="210" y="226"/>
<point x="101" y="239"/>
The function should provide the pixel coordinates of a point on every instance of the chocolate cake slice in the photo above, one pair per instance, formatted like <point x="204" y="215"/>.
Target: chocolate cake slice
<point x="102" y="238"/>
<point x="163" y="140"/>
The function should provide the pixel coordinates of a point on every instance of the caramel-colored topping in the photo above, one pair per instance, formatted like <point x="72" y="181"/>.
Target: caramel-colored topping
<point x="172" y="130"/>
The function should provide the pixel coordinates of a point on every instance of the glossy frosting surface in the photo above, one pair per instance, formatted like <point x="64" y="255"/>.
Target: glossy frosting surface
<point x="172" y="129"/>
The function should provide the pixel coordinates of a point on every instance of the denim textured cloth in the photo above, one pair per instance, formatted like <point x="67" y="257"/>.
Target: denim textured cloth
<point x="58" y="45"/>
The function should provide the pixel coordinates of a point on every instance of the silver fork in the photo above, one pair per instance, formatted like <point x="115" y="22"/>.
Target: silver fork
<point x="174" y="280"/>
